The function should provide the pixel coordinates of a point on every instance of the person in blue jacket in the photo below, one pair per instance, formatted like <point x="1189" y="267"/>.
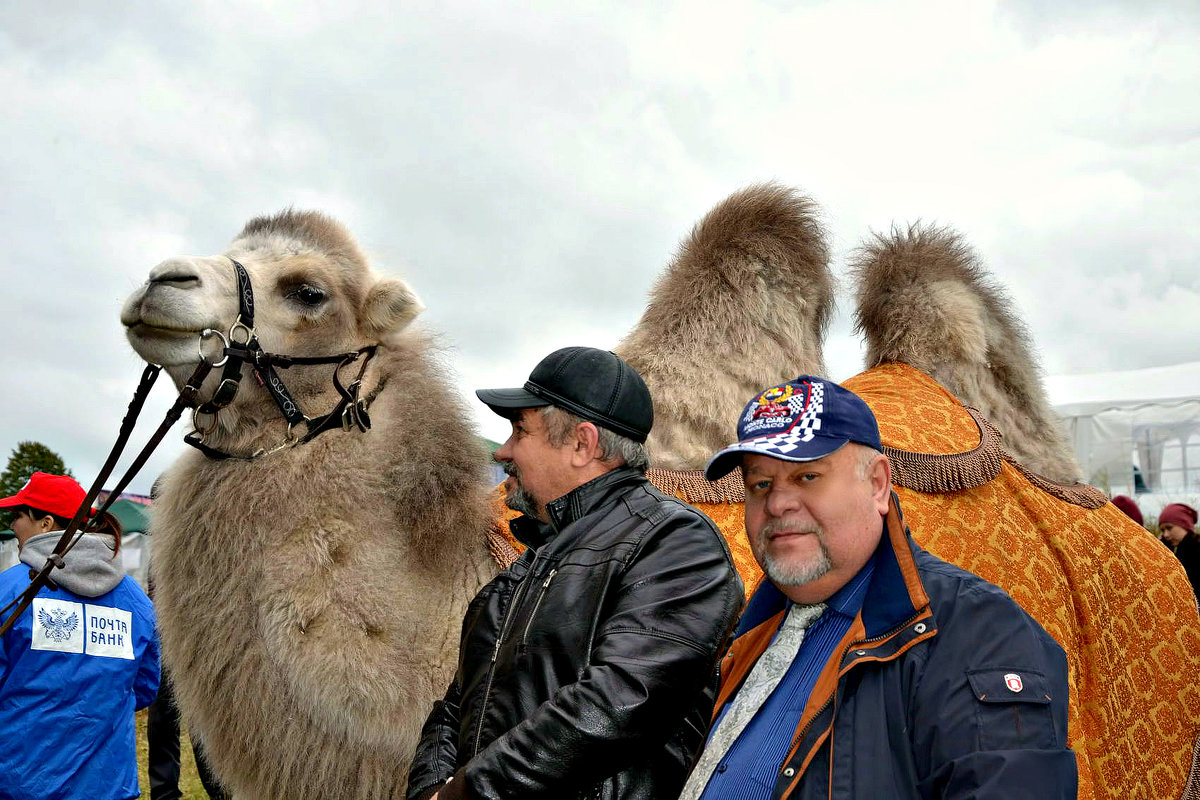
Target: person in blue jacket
<point x="77" y="663"/>
<point x="864" y="666"/>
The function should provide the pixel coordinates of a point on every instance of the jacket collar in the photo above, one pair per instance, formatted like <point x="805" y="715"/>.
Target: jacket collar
<point x="894" y="593"/>
<point x="574" y="505"/>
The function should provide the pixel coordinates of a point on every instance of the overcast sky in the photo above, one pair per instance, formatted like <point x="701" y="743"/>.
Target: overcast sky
<point x="529" y="172"/>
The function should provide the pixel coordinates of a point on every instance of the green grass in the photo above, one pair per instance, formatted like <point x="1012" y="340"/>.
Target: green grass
<point x="189" y="780"/>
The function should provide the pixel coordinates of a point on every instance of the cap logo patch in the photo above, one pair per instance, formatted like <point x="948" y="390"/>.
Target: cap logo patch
<point x="1013" y="681"/>
<point x="784" y="411"/>
<point x="773" y="402"/>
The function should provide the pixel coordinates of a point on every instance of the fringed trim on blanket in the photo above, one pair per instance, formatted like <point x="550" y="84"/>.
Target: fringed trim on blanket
<point x="1192" y="790"/>
<point x="503" y="553"/>
<point x="1077" y="494"/>
<point x="690" y="485"/>
<point x="935" y="474"/>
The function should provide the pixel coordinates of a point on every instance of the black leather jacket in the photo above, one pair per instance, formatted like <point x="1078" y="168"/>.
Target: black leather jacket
<point x="587" y="669"/>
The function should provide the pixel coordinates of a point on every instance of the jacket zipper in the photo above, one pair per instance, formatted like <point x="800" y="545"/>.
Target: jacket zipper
<point x="832" y="698"/>
<point x="536" y="605"/>
<point x="518" y="596"/>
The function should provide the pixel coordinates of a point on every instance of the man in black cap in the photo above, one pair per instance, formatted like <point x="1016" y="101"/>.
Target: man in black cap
<point x="587" y="668"/>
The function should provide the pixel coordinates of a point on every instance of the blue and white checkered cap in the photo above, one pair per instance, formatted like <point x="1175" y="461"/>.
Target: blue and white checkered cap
<point x="801" y="420"/>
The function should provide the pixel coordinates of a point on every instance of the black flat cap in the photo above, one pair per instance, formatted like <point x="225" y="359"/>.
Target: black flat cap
<point x="593" y="384"/>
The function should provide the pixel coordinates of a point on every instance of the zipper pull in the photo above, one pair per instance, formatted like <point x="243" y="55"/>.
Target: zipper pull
<point x="546" y="583"/>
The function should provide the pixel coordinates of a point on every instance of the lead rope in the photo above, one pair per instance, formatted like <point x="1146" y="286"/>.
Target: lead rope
<point x="187" y="396"/>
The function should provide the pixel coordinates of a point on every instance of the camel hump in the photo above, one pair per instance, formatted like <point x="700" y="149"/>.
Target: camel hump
<point x="924" y="298"/>
<point x="744" y="304"/>
<point x="760" y="241"/>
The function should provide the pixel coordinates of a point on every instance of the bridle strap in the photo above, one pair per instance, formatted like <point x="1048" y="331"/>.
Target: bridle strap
<point x="263" y="365"/>
<point x="231" y="376"/>
<point x="69" y="538"/>
<point x="245" y="295"/>
<point x="351" y="410"/>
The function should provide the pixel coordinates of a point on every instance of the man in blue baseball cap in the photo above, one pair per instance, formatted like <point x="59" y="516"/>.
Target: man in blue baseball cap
<point x="863" y="666"/>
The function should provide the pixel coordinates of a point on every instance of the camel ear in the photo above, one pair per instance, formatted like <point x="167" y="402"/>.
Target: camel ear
<point x="389" y="307"/>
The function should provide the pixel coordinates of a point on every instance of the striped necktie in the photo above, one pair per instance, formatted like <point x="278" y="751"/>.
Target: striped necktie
<point x="763" y="679"/>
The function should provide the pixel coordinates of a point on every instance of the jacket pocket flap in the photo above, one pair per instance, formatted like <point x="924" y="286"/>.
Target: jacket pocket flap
<point x="1009" y="685"/>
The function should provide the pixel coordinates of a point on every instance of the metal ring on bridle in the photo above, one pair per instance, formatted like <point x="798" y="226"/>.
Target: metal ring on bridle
<point x="203" y="431"/>
<point x="239" y="325"/>
<point x="204" y="334"/>
<point x="291" y="435"/>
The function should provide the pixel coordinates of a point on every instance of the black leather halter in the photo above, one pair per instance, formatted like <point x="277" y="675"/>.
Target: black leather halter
<point x="241" y="346"/>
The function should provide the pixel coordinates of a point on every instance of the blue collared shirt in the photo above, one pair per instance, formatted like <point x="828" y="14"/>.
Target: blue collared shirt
<point x="751" y="767"/>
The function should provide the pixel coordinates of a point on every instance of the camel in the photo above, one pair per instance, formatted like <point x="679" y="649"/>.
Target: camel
<point x="310" y="598"/>
<point x="744" y="305"/>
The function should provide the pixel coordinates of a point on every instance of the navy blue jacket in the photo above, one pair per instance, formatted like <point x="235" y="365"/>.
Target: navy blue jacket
<point x="942" y="688"/>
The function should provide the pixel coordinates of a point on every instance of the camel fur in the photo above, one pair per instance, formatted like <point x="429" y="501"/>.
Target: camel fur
<point x="310" y="599"/>
<point x="924" y="299"/>
<point x="750" y="290"/>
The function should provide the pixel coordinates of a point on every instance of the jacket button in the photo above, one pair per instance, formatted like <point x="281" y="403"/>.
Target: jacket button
<point x="721" y="769"/>
<point x="860" y="652"/>
<point x="919" y="627"/>
<point x="789" y="772"/>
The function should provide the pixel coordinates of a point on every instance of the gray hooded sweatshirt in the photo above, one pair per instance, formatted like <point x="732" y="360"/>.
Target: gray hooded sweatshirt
<point x="89" y="570"/>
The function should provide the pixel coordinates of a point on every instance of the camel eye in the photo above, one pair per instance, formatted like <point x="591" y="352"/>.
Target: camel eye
<point x="308" y="295"/>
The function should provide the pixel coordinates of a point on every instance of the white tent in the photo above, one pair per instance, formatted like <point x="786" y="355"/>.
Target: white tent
<point x="1136" y="430"/>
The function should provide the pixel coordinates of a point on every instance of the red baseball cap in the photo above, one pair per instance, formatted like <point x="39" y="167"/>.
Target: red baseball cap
<point x="60" y="495"/>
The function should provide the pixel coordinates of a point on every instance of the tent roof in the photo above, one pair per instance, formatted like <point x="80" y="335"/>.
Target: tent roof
<point x="133" y="516"/>
<point x="1082" y="395"/>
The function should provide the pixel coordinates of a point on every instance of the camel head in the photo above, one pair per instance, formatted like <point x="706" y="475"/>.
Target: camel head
<point x="745" y="304"/>
<point x="314" y="294"/>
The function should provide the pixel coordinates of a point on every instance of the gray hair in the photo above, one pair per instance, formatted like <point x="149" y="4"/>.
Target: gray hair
<point x="613" y="446"/>
<point x="866" y="457"/>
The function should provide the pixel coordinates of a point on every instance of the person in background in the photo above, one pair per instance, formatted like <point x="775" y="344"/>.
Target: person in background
<point x="863" y="665"/>
<point x="163" y="767"/>
<point x="1177" y="530"/>
<point x="1129" y="507"/>
<point x="78" y="662"/>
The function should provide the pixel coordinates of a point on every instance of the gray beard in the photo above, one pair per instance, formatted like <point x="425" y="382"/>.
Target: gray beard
<point x="519" y="499"/>
<point x="796" y="574"/>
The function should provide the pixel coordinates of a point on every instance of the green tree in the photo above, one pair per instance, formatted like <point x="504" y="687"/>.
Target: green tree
<point x="26" y="459"/>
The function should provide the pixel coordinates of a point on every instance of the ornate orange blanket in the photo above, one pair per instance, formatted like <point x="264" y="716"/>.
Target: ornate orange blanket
<point x="1105" y="589"/>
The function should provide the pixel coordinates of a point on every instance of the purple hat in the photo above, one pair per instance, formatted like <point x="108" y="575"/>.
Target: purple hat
<point x="801" y="420"/>
<point x="1130" y="507"/>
